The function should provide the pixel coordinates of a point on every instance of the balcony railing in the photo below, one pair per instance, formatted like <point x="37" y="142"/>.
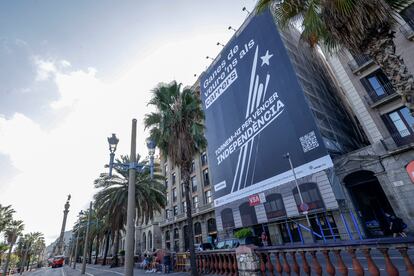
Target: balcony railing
<point x="403" y="137"/>
<point x="381" y="92"/>
<point x="407" y="30"/>
<point x="359" y="62"/>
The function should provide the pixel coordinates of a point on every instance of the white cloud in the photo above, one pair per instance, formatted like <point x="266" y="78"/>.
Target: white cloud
<point x="45" y="69"/>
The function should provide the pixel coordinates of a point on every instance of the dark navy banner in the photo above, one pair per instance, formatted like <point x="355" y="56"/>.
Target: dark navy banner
<point x="256" y="112"/>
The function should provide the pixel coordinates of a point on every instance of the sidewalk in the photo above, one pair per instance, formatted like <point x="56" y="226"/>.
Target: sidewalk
<point x="98" y="270"/>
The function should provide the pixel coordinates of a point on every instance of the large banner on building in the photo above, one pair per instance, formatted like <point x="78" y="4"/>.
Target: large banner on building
<point x="256" y="112"/>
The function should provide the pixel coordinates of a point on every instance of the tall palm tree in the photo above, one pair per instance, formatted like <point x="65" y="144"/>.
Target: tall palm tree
<point x="177" y="126"/>
<point x="112" y="199"/>
<point x="362" y="26"/>
<point x="6" y="216"/>
<point x="28" y="241"/>
<point x="13" y="231"/>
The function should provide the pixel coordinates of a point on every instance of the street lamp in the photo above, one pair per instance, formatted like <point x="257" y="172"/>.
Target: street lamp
<point x="246" y="10"/>
<point x="133" y="167"/>
<point x="77" y="240"/>
<point x="220" y="44"/>
<point x="113" y="142"/>
<point x="231" y="28"/>
<point x="302" y="203"/>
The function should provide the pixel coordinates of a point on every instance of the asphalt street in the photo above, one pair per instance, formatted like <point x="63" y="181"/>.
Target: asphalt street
<point x="91" y="270"/>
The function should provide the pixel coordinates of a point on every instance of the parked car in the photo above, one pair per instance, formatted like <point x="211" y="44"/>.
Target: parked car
<point x="228" y="244"/>
<point x="58" y="261"/>
<point x="203" y="246"/>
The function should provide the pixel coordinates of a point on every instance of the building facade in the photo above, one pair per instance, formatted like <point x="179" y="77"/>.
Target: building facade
<point x="173" y="224"/>
<point x="375" y="178"/>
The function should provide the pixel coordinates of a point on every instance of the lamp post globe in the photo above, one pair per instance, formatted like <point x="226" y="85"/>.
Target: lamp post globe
<point x="113" y="142"/>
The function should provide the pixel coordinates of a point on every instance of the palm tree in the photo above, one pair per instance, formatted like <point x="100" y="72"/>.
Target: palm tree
<point x="13" y="231"/>
<point x="177" y="126"/>
<point x="112" y="199"/>
<point x="362" y="26"/>
<point x="6" y="216"/>
<point x="27" y="248"/>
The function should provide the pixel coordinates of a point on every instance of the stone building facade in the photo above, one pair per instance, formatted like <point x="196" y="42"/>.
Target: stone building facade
<point x="374" y="179"/>
<point x="173" y="222"/>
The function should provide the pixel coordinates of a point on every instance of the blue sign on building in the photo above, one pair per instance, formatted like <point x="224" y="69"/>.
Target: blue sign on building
<point x="256" y="112"/>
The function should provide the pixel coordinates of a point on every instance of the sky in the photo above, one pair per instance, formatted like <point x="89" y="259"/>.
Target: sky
<point x="73" y="72"/>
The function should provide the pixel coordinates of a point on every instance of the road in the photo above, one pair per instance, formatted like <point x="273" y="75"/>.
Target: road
<point x="91" y="270"/>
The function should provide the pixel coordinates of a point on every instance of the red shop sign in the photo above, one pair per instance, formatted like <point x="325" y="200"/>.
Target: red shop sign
<point x="254" y="200"/>
<point x="410" y="170"/>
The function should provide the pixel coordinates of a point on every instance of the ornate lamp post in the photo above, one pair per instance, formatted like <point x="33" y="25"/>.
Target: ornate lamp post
<point x="133" y="167"/>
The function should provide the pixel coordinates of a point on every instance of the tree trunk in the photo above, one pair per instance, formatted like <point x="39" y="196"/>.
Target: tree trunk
<point x="97" y="250"/>
<point x="6" y="266"/>
<point x="185" y="172"/>
<point x="115" y="262"/>
<point x="382" y="50"/>
<point x="90" y="252"/>
<point x="106" y="248"/>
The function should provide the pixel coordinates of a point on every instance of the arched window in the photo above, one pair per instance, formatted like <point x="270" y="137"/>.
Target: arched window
<point x="167" y="240"/>
<point x="198" y="233"/>
<point x="211" y="226"/>
<point x="176" y="234"/>
<point x="227" y="218"/>
<point x="248" y="214"/>
<point x="311" y="196"/>
<point x="186" y="238"/>
<point x="144" y="241"/>
<point x="150" y="240"/>
<point x="274" y="206"/>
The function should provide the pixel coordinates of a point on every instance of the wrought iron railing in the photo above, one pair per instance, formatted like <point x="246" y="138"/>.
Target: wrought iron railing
<point x="381" y="92"/>
<point x="359" y="61"/>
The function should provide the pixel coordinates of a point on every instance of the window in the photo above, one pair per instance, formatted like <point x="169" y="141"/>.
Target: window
<point x="248" y="214"/>
<point x="167" y="195"/>
<point x="227" y="218"/>
<point x="150" y="240"/>
<point x="166" y="214"/>
<point x="209" y="199"/>
<point x="204" y="159"/>
<point x="194" y="184"/>
<point x="205" y="177"/>
<point x="274" y="206"/>
<point x="184" y="206"/>
<point x="310" y="194"/>
<point x="186" y="238"/>
<point x="401" y="125"/>
<point x="182" y="189"/>
<point x="176" y="234"/>
<point x="174" y="194"/>
<point x="167" y="240"/>
<point x="197" y="233"/>
<point x="174" y="178"/>
<point x="211" y="226"/>
<point x="192" y="169"/>
<point x="144" y="241"/>
<point x="195" y="201"/>
<point x="175" y="210"/>
<point x="165" y="168"/>
<point x="376" y="85"/>
<point x="166" y="183"/>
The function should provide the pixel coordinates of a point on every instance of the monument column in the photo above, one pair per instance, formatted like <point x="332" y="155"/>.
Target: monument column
<point x="61" y="244"/>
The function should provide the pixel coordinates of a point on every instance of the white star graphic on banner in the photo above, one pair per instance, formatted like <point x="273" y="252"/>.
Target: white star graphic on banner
<point x="265" y="58"/>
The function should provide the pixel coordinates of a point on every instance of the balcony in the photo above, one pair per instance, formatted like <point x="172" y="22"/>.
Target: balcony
<point x="359" y="63"/>
<point x="381" y="94"/>
<point x="402" y="138"/>
<point x="408" y="30"/>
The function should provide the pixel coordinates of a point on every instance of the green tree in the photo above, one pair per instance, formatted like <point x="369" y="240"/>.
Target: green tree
<point x="12" y="232"/>
<point x="362" y="26"/>
<point x="177" y="126"/>
<point x="6" y="216"/>
<point x="112" y="199"/>
<point x="26" y="248"/>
